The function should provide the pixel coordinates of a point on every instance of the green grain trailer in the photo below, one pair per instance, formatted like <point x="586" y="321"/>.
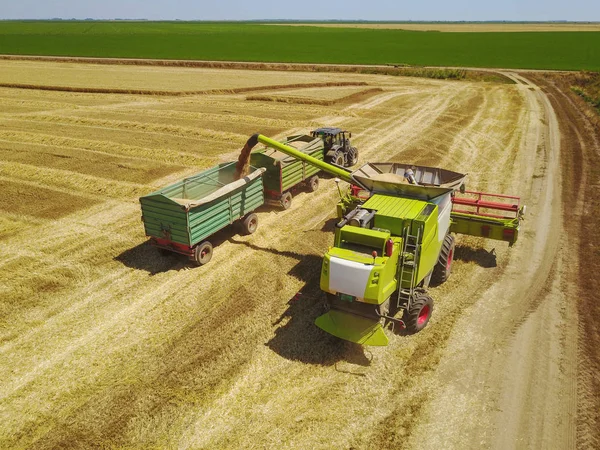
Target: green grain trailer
<point x="394" y="237"/>
<point x="181" y="217"/>
<point x="284" y="174"/>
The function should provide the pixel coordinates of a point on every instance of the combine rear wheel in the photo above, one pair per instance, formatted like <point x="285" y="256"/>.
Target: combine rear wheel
<point x="203" y="253"/>
<point x="417" y="317"/>
<point x="313" y="183"/>
<point x="250" y="223"/>
<point x="286" y="200"/>
<point x="443" y="268"/>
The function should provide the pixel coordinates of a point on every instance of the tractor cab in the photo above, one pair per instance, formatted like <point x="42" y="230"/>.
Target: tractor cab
<point x="332" y="136"/>
<point x="337" y="147"/>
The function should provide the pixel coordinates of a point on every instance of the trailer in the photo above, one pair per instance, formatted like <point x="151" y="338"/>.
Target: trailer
<point x="285" y="174"/>
<point x="183" y="216"/>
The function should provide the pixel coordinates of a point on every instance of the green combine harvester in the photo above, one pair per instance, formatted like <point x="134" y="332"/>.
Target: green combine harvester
<point x="393" y="239"/>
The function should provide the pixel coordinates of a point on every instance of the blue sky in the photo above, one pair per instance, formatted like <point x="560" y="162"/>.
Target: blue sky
<point x="533" y="10"/>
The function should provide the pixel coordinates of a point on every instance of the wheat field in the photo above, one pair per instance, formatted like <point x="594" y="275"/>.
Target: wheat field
<point x="106" y="343"/>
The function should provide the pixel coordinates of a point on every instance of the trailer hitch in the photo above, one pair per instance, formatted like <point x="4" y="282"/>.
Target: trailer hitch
<point x="392" y="320"/>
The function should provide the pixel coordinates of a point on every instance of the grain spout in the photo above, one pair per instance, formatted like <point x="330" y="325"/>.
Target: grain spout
<point x="242" y="167"/>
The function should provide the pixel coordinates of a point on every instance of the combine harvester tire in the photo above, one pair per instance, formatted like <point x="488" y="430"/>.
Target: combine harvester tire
<point x="443" y="268"/>
<point x="417" y="317"/>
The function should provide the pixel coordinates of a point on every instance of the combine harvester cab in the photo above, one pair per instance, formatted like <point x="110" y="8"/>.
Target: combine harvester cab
<point x="394" y="238"/>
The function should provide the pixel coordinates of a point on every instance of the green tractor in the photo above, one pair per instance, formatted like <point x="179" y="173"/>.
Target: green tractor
<point x="338" y="150"/>
<point x="393" y="238"/>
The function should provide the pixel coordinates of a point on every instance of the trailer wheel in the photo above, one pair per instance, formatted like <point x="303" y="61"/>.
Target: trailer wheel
<point x="313" y="183"/>
<point x="286" y="200"/>
<point x="417" y="317"/>
<point x="203" y="253"/>
<point x="250" y="223"/>
<point x="443" y="268"/>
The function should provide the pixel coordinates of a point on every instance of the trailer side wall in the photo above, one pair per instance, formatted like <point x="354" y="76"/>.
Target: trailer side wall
<point x="165" y="217"/>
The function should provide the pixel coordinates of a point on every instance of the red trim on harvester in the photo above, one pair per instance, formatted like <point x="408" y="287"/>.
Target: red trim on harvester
<point x="423" y="315"/>
<point x="358" y="192"/>
<point x="480" y="202"/>
<point x="355" y="190"/>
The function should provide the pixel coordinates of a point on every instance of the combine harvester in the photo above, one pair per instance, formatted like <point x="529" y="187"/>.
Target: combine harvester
<point x="393" y="238"/>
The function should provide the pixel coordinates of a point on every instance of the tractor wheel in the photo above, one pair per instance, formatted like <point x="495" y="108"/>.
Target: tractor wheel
<point x="417" y="317"/>
<point x="443" y="268"/>
<point x="250" y="223"/>
<point x="286" y="200"/>
<point x="203" y="253"/>
<point x="352" y="156"/>
<point x="338" y="159"/>
<point x="313" y="183"/>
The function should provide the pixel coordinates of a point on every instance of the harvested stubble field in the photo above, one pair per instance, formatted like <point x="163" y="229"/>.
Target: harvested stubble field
<point x="106" y="343"/>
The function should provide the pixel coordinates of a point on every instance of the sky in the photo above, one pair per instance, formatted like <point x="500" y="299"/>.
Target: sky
<point x="433" y="10"/>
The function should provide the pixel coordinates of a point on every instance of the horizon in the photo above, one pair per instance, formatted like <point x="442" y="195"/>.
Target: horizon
<point x="143" y="19"/>
<point x="310" y="11"/>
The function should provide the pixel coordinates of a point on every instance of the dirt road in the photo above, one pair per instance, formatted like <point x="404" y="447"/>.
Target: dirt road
<point x="106" y="343"/>
<point x="508" y="375"/>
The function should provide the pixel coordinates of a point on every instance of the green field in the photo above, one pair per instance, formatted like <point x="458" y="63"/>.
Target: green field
<point x="258" y="42"/>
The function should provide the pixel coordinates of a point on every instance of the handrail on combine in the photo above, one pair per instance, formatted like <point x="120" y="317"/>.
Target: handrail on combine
<point x="480" y="202"/>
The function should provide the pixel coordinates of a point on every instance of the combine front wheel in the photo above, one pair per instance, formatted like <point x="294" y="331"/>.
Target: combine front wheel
<point x="419" y="313"/>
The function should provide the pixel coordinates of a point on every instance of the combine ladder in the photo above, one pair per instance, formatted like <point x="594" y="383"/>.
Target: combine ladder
<point x="408" y="268"/>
